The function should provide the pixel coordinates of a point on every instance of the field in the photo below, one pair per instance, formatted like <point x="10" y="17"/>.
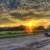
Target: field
<point x="8" y="34"/>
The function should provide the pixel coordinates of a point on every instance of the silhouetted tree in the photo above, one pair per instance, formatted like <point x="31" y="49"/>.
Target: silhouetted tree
<point x="20" y="28"/>
<point x="40" y="29"/>
<point x="48" y="29"/>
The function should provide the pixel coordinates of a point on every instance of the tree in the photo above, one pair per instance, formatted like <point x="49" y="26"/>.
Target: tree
<point x="20" y="28"/>
<point x="40" y="29"/>
<point x="48" y="29"/>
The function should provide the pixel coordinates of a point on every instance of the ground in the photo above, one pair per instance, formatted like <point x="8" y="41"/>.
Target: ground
<point x="24" y="41"/>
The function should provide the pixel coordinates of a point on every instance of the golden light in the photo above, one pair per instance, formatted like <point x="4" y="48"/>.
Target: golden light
<point x="31" y="24"/>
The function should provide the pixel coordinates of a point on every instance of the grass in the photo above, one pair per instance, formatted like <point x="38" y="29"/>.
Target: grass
<point x="8" y="34"/>
<point x="11" y="33"/>
<point x="15" y="34"/>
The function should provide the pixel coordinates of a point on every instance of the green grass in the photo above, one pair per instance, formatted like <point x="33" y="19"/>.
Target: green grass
<point x="15" y="34"/>
<point x="11" y="33"/>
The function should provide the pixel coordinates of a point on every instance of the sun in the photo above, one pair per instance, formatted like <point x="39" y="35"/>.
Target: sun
<point x="29" y="25"/>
